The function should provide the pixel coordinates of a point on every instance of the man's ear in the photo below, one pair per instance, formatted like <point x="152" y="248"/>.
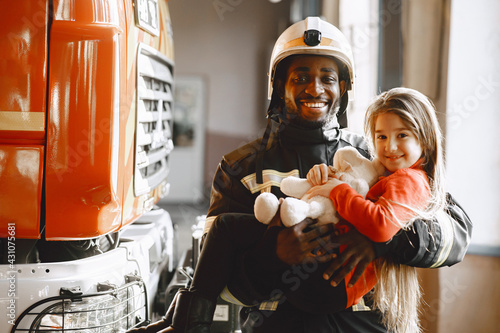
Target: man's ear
<point x="342" y="86"/>
<point x="280" y="87"/>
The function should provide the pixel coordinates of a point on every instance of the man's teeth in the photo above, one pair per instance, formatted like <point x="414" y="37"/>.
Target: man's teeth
<point x="315" y="105"/>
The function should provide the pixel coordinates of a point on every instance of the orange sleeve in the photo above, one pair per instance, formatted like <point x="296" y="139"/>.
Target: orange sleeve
<point x="382" y="217"/>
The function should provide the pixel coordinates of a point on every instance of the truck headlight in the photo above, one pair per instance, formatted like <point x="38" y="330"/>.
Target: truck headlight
<point x="112" y="312"/>
<point x="101" y="312"/>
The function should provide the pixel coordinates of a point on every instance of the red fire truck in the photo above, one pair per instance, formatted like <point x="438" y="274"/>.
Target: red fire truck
<point x="85" y="138"/>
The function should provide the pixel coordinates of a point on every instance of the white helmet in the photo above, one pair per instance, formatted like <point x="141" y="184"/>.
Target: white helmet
<point x="316" y="37"/>
<point x="312" y="36"/>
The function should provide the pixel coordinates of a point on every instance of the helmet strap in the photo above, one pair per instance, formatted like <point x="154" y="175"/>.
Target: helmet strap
<point x="342" y="113"/>
<point x="260" y="153"/>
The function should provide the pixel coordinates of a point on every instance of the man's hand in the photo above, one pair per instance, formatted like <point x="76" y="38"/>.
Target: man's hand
<point x="296" y="243"/>
<point x="356" y="256"/>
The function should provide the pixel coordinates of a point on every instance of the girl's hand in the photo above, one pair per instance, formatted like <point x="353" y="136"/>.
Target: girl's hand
<point x="323" y="190"/>
<point x="318" y="174"/>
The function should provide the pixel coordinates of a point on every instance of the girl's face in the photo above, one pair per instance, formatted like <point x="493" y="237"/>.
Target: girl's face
<point x="395" y="145"/>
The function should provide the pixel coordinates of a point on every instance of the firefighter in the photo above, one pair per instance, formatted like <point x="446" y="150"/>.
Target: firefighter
<point x="268" y="269"/>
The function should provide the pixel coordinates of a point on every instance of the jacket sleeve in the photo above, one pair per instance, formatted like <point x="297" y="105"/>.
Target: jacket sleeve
<point x="228" y="194"/>
<point x="381" y="218"/>
<point x="442" y="241"/>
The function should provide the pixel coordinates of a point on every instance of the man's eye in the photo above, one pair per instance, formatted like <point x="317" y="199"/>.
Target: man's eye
<point x="301" y="79"/>
<point x="330" y="79"/>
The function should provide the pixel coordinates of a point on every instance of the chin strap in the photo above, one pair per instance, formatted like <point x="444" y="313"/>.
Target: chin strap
<point x="342" y="115"/>
<point x="260" y="154"/>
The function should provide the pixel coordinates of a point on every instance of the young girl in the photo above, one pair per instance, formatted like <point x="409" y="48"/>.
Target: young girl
<point x="406" y="138"/>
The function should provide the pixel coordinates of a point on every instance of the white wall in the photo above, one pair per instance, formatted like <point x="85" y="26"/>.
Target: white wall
<point x="473" y="115"/>
<point x="228" y="42"/>
<point x="362" y="32"/>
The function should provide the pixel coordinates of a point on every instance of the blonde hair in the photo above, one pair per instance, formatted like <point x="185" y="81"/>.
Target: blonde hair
<point x="397" y="293"/>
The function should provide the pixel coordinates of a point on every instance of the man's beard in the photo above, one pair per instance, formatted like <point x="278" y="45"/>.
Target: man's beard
<point x="328" y="122"/>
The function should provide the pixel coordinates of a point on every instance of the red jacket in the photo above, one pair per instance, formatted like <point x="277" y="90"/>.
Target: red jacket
<point x="389" y="204"/>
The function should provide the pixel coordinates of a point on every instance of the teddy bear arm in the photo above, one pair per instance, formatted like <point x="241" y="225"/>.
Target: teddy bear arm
<point x="295" y="187"/>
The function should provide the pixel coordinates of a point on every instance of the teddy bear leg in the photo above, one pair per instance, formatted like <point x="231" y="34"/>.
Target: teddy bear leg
<point x="293" y="211"/>
<point x="265" y="207"/>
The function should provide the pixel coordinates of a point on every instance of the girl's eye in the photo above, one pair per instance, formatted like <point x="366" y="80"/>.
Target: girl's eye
<point x="381" y="137"/>
<point x="403" y="135"/>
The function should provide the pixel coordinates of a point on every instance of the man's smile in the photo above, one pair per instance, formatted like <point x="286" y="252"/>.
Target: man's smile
<point x="316" y="105"/>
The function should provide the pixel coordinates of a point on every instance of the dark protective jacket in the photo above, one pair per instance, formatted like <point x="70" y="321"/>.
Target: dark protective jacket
<point x="293" y="151"/>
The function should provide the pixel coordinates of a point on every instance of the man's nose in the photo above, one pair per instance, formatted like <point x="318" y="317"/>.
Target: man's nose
<point x="315" y="88"/>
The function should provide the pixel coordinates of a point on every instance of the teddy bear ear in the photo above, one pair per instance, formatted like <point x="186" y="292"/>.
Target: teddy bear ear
<point x="345" y="166"/>
<point x="343" y="155"/>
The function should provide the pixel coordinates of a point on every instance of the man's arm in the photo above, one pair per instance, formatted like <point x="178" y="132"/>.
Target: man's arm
<point x="431" y="244"/>
<point x="442" y="242"/>
<point x="228" y="194"/>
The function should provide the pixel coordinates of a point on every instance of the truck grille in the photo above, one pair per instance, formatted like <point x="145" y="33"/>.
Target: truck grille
<point x="154" y="119"/>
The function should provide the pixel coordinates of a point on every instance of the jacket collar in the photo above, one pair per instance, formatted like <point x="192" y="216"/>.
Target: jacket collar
<point x="290" y="134"/>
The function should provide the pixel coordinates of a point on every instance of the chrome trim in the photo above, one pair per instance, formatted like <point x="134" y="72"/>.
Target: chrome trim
<point x="154" y="120"/>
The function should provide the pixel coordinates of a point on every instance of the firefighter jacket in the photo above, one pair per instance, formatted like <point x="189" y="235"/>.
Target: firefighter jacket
<point x="291" y="151"/>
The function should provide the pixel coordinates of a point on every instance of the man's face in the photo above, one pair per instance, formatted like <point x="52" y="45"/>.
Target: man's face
<point x="312" y="91"/>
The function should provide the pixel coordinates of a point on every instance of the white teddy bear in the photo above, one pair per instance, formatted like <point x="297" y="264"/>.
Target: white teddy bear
<point x="349" y="166"/>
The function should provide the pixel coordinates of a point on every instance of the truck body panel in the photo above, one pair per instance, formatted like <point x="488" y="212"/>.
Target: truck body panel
<point x="85" y="137"/>
<point x="22" y="115"/>
<point x="21" y="177"/>
<point x="83" y="70"/>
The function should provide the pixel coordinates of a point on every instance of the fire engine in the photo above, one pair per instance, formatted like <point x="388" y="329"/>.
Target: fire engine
<point x="85" y="138"/>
